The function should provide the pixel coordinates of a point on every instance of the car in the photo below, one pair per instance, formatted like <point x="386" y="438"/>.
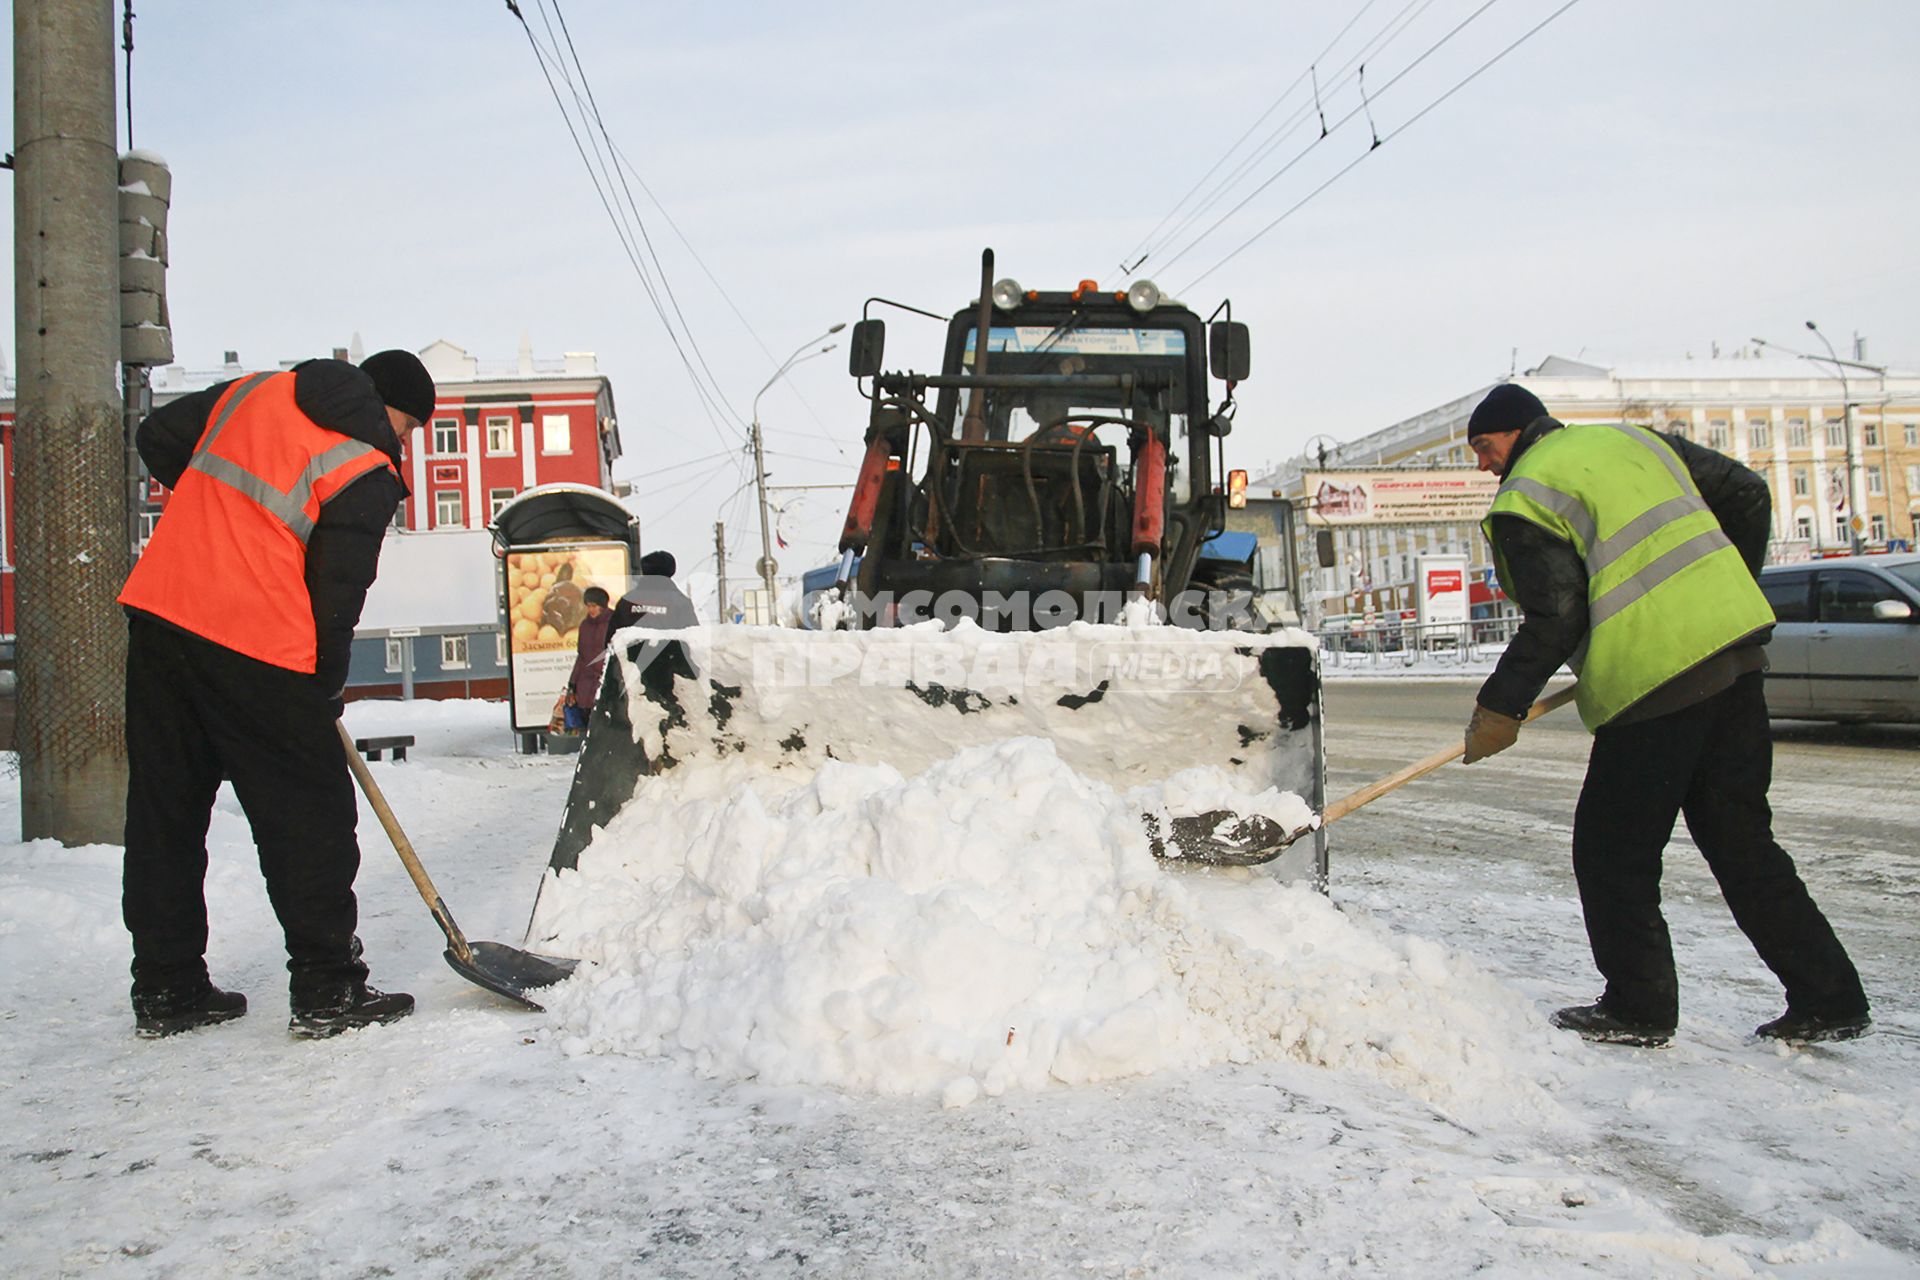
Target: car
<point x="1846" y="645"/>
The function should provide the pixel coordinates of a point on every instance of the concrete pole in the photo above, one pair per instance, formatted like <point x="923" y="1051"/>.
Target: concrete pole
<point x="720" y="567"/>
<point x="69" y="458"/>
<point x="766" y="537"/>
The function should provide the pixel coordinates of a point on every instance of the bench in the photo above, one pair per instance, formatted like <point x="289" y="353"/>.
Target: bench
<point x="372" y="747"/>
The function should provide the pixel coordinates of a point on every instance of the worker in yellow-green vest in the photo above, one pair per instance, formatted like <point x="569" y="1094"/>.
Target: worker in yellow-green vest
<point x="1633" y="557"/>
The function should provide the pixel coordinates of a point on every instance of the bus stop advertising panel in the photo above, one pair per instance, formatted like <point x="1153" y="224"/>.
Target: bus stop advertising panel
<point x="545" y="589"/>
<point x="554" y="542"/>
<point x="1442" y="596"/>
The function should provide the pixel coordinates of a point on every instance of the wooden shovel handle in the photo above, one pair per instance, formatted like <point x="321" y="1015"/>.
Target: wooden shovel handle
<point x="456" y="940"/>
<point x="1421" y="768"/>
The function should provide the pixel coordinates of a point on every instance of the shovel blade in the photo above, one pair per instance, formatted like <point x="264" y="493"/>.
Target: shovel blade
<point x="1220" y="838"/>
<point x="511" y="972"/>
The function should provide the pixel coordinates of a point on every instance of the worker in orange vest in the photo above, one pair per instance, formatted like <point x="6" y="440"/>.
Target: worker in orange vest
<point x="242" y="609"/>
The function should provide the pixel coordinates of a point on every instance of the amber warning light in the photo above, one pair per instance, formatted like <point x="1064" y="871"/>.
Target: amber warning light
<point x="1236" y="488"/>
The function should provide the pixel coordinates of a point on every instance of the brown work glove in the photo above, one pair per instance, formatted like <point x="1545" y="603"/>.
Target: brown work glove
<point x="1489" y="733"/>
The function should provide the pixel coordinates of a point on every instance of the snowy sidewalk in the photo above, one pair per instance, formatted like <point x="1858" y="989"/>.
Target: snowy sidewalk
<point x="1460" y="1135"/>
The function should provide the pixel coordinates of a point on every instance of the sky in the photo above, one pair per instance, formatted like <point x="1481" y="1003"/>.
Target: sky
<point x="1636" y="180"/>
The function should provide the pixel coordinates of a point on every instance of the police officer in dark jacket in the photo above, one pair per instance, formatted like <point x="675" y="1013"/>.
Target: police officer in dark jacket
<point x="242" y="609"/>
<point x="1696" y="742"/>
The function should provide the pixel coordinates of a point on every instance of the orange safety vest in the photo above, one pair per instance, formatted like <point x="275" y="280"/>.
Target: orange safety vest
<point x="228" y="559"/>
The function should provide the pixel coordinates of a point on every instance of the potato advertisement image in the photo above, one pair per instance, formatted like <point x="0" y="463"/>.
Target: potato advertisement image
<point x="544" y="597"/>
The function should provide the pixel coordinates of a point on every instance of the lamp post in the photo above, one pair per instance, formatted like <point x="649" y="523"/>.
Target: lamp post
<point x="1853" y="452"/>
<point x="1840" y="368"/>
<point x="799" y="356"/>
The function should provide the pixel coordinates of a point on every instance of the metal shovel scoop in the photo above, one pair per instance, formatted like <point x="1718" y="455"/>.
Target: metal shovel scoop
<point x="1223" y="838"/>
<point x="503" y="970"/>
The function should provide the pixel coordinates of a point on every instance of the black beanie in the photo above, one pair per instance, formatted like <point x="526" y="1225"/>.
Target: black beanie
<point x="658" y="564"/>
<point x="402" y="381"/>
<point x="1508" y="407"/>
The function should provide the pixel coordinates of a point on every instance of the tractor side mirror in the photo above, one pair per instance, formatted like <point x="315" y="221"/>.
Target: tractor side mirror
<point x="1323" y="548"/>
<point x="865" y="350"/>
<point x="1228" y="351"/>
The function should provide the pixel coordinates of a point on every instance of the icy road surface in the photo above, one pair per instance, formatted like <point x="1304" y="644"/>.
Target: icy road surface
<point x="464" y="1141"/>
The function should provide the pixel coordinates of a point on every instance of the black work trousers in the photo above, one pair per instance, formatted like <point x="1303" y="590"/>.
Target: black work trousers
<point x="197" y="711"/>
<point x="1713" y="762"/>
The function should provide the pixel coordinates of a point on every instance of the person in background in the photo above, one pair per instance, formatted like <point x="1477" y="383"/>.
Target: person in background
<point x="590" y="659"/>
<point x="653" y="601"/>
<point x="241" y="615"/>
<point x="1633" y="557"/>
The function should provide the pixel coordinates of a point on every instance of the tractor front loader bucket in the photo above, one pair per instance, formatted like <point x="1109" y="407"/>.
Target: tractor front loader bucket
<point x="1129" y="707"/>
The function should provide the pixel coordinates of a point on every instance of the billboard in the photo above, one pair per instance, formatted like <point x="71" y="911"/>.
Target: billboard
<point x="1441" y="594"/>
<point x="1337" y="499"/>
<point x="543" y="589"/>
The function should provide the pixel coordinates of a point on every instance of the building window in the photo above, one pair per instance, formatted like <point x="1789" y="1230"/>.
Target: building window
<point x="1913" y="481"/>
<point x="148" y="519"/>
<point x="400" y="514"/>
<point x="1913" y="433"/>
<point x="1876" y="483"/>
<point x="453" y="653"/>
<point x="496" y="499"/>
<point x="499" y="434"/>
<point x="396" y="659"/>
<point x="1870" y="434"/>
<point x="1796" y="433"/>
<point x="446" y="436"/>
<point x="1717" y="434"/>
<point x="1877" y="527"/>
<point x="1802" y="483"/>
<point x="1759" y="435"/>
<point x="1836" y="433"/>
<point x="1803" y="528"/>
<point x="448" y="508"/>
<point x="556" y="433"/>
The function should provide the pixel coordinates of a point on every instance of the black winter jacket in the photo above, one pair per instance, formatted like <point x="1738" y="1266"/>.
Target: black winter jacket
<point x="343" y="554"/>
<point x="1547" y="579"/>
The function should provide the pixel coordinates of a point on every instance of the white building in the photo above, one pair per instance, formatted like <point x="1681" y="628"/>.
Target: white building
<point x="1836" y="442"/>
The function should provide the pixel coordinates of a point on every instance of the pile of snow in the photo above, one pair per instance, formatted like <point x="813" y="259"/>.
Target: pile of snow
<point x="995" y="922"/>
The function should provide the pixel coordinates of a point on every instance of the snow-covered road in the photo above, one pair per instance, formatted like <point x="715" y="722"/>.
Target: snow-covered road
<point x="465" y="1142"/>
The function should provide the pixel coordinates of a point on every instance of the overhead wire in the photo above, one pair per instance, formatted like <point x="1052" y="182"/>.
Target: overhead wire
<point x="1291" y="124"/>
<point x="1142" y="247"/>
<point x="1404" y="126"/>
<point x="709" y="398"/>
<point x="1339" y="124"/>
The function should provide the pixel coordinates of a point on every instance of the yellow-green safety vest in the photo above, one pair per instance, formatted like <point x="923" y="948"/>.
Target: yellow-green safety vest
<point x="1665" y="588"/>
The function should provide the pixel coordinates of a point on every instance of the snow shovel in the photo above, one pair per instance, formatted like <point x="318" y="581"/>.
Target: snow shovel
<point x="1224" y="839"/>
<point x="503" y="970"/>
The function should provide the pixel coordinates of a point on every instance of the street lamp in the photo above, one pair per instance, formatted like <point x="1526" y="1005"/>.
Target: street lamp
<point x="800" y="356"/>
<point x="1853" y="452"/>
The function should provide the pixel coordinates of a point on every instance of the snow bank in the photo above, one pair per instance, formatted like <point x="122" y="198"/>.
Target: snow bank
<point x="995" y="922"/>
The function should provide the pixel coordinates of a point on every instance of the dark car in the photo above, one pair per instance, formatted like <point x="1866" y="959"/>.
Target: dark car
<point x="1847" y="644"/>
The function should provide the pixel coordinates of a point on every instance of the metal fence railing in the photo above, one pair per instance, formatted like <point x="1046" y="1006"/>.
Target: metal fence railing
<point x="1392" y="642"/>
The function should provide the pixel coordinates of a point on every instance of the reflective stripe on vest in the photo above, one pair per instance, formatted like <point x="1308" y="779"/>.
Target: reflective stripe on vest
<point x="288" y="506"/>
<point x="1645" y="535"/>
<point x="228" y="558"/>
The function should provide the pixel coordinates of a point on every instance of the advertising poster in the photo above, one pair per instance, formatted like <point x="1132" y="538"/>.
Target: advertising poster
<point x="544" y="589"/>
<point x="1442" y="584"/>
<point x="1342" y="498"/>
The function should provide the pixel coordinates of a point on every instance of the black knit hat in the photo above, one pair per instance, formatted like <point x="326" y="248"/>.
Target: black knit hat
<point x="658" y="564"/>
<point x="402" y="381"/>
<point x="1508" y="407"/>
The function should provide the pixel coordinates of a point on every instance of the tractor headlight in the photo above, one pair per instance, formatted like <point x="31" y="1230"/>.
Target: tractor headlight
<point x="1007" y="294"/>
<point x="1144" y="295"/>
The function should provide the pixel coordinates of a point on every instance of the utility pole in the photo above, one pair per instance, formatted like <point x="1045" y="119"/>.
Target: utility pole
<point x="69" y="454"/>
<point x="720" y="566"/>
<point x="767" y="562"/>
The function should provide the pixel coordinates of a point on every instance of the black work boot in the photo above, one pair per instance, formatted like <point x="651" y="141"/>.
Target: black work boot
<point x="168" y="1013"/>
<point x="1598" y="1023"/>
<point x="1813" y="1028"/>
<point x="357" y="1006"/>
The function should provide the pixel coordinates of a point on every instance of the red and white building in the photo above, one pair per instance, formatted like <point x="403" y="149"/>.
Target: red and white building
<point x="497" y="430"/>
